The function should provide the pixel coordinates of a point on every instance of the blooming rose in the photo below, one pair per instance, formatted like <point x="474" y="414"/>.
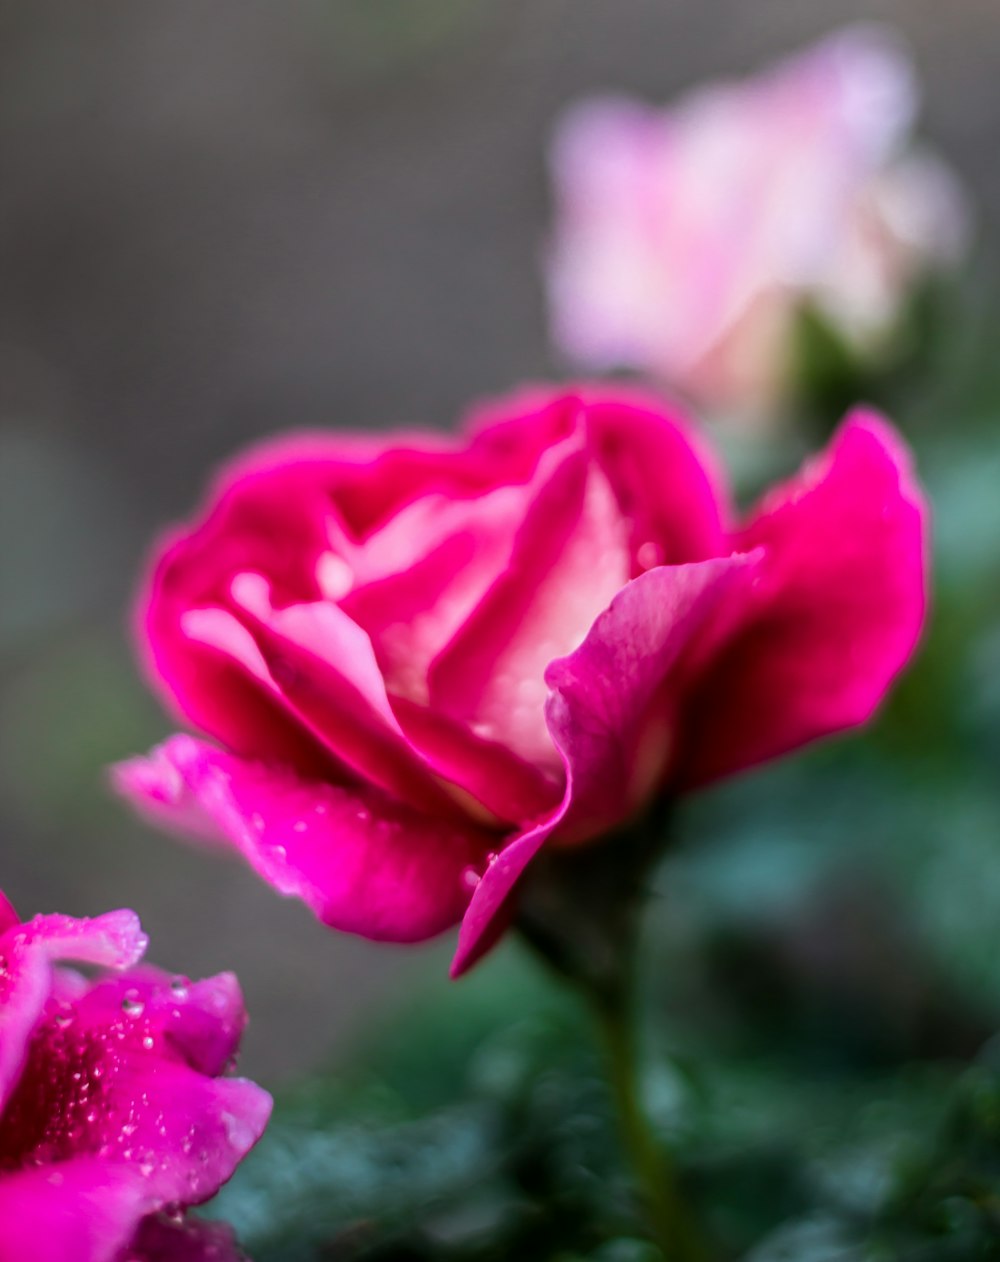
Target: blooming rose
<point x="687" y="239"/>
<point x="427" y="659"/>
<point x="112" y="1107"/>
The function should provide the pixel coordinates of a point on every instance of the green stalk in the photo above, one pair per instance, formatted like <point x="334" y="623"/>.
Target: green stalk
<point x="580" y="911"/>
<point x="670" y="1223"/>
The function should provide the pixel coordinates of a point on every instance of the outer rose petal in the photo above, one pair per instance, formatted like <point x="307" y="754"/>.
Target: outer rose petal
<point x="162" y="1239"/>
<point x="200" y="1021"/>
<point x="270" y="513"/>
<point x="8" y="916"/>
<point x="27" y="952"/>
<point x="665" y="479"/>
<point x="84" y="1210"/>
<point x="360" y="861"/>
<point x="612" y="713"/>
<point x="839" y="610"/>
<point x="111" y="1083"/>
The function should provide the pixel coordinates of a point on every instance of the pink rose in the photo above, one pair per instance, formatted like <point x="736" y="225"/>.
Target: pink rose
<point x="429" y="658"/>
<point x="112" y="1103"/>
<point x="687" y="239"/>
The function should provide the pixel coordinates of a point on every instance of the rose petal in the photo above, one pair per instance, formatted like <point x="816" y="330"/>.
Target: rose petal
<point x="612" y="715"/>
<point x="362" y="862"/>
<point x="665" y="479"/>
<point x="568" y="560"/>
<point x="324" y="666"/>
<point x="27" y="952"/>
<point x="8" y="916"/>
<point x="168" y="1239"/>
<point x="839" y="610"/>
<point x="85" y="1210"/>
<point x="111" y="1083"/>
<point x="667" y="484"/>
<point x="199" y="1021"/>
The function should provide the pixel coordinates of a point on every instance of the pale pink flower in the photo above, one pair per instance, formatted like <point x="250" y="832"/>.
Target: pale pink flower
<point x="687" y="239"/>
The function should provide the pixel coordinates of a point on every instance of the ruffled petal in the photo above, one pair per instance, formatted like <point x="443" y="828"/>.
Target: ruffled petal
<point x="84" y="1210"/>
<point x="324" y="667"/>
<point x="112" y="1082"/>
<point x="27" y="952"/>
<point x="668" y="485"/>
<point x="163" y="1238"/>
<point x="361" y="861"/>
<point x="838" y="610"/>
<point x="612" y="713"/>
<point x="568" y="560"/>
<point x="665" y="479"/>
<point x="8" y="916"/>
<point x="199" y="1021"/>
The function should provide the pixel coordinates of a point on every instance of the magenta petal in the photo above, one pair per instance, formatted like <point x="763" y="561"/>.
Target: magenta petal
<point x="325" y="667"/>
<point x="8" y="916"/>
<point x="614" y="704"/>
<point x="363" y="863"/>
<point x="568" y="559"/>
<point x="85" y="1210"/>
<point x="186" y="1133"/>
<point x="169" y="1239"/>
<point x="199" y="1021"/>
<point x="110" y="1082"/>
<point x="665" y="479"/>
<point x="26" y="980"/>
<point x="612" y="715"/>
<point x="839" y="609"/>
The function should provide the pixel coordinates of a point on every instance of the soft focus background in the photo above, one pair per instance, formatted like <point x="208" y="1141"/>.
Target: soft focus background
<point x="220" y="220"/>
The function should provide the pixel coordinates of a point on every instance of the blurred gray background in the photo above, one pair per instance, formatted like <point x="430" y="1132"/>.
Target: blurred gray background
<point x="220" y="219"/>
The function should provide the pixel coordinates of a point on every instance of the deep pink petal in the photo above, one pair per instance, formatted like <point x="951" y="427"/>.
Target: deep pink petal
<point x="568" y="560"/>
<point x="8" y="916"/>
<point x="666" y="481"/>
<point x="665" y="478"/>
<point x="111" y="1083"/>
<point x="325" y="668"/>
<point x="612" y="714"/>
<point x="162" y="1238"/>
<point x="27" y="952"/>
<point x="490" y="902"/>
<point x="362" y="862"/>
<point x="614" y="704"/>
<point x="200" y="1022"/>
<point x="85" y="1210"/>
<point x="839" y="608"/>
<point x="491" y="780"/>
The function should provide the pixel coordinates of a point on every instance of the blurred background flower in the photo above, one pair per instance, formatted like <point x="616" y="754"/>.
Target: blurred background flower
<point x="688" y="241"/>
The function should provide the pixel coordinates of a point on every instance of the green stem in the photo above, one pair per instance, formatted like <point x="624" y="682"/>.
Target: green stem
<point x="580" y="910"/>
<point x="670" y="1223"/>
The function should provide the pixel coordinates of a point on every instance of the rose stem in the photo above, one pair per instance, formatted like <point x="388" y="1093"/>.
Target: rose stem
<point x="580" y="913"/>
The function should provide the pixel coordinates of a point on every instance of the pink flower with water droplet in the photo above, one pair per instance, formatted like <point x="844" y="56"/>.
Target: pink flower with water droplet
<point x="532" y="633"/>
<point x="687" y="239"/>
<point x="112" y="1104"/>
